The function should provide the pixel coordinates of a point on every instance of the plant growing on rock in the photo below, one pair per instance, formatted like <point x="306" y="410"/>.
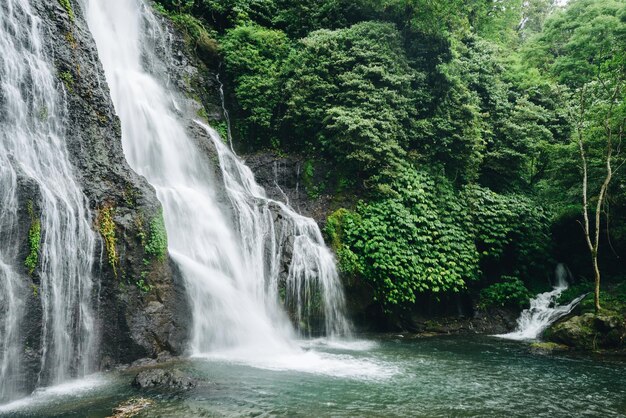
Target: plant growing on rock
<point x="68" y="8"/>
<point x="156" y="245"/>
<point x="34" y="239"/>
<point x="106" y="226"/>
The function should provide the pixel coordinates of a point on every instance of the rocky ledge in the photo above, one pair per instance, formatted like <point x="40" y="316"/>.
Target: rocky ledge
<point x="164" y="379"/>
<point x="588" y="331"/>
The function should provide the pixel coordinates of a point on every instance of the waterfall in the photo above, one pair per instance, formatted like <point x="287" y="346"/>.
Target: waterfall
<point x="543" y="310"/>
<point x="230" y="249"/>
<point x="267" y="227"/>
<point x="33" y="115"/>
<point x="229" y="132"/>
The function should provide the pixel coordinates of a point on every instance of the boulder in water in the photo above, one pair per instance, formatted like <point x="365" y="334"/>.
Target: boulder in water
<point x="590" y="332"/>
<point x="547" y="348"/>
<point x="160" y="378"/>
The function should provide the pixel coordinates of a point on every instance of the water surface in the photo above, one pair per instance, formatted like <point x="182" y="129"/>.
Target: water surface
<point x="438" y="376"/>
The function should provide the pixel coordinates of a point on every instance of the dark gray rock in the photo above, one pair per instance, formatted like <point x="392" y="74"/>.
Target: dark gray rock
<point x="283" y="179"/>
<point x="133" y="323"/>
<point x="163" y="379"/>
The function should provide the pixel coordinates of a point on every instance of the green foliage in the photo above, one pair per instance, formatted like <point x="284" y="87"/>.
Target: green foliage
<point x="612" y="297"/>
<point x="68" y="80"/>
<point x="156" y="244"/>
<point x="511" y="231"/>
<point x="197" y="36"/>
<point x="510" y="292"/>
<point x="575" y="291"/>
<point x="450" y="131"/>
<point x="349" y="96"/>
<point x="451" y="121"/>
<point x="413" y="239"/>
<point x="579" y="39"/>
<point x="106" y="226"/>
<point x="143" y="286"/>
<point x="34" y="239"/>
<point x="254" y="57"/>
<point x="68" y="8"/>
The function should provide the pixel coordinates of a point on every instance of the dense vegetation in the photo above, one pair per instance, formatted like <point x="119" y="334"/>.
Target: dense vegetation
<point x="458" y="126"/>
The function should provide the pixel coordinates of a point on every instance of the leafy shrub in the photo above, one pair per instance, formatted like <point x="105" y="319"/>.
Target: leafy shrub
<point x="106" y="226"/>
<point x="348" y="95"/>
<point x="34" y="240"/>
<point x="411" y="240"/>
<point x="254" y="57"/>
<point x="156" y="245"/>
<point x="510" y="292"/>
<point x="511" y="231"/>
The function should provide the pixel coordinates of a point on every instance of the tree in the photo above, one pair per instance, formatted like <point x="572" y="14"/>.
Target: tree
<point x="610" y="115"/>
<point x="584" y="48"/>
<point x="254" y="57"/>
<point x="349" y="97"/>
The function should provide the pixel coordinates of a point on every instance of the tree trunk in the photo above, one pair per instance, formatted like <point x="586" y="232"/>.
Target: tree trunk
<point x="596" y="293"/>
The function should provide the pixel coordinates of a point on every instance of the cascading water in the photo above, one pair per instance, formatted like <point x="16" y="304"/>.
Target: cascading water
<point x="543" y="310"/>
<point x="311" y="272"/>
<point x="32" y="150"/>
<point x="231" y="264"/>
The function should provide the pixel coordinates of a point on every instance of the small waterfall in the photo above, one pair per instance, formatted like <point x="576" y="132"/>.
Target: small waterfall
<point x="32" y="151"/>
<point x="270" y="228"/>
<point x="229" y="132"/>
<point x="543" y="310"/>
<point x="230" y="252"/>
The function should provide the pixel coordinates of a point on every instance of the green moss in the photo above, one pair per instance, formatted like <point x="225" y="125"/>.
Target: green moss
<point x="130" y="196"/>
<point x="68" y="80"/>
<point x="156" y="244"/>
<point x="106" y="226"/>
<point x="547" y="347"/>
<point x="202" y="114"/>
<point x="308" y="172"/>
<point x="143" y="286"/>
<point x="348" y="261"/>
<point x="71" y="40"/>
<point x="197" y="36"/>
<point x="34" y="240"/>
<point x="68" y="8"/>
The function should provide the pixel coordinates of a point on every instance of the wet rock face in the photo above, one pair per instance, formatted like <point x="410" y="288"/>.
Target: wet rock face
<point x="284" y="180"/>
<point x="140" y="300"/>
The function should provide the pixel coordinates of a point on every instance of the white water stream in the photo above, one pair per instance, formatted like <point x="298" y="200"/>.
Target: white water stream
<point x="227" y="237"/>
<point x="543" y="310"/>
<point x="33" y="150"/>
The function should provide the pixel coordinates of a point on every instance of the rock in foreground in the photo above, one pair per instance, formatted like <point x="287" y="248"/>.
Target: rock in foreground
<point x="547" y="348"/>
<point x="590" y="332"/>
<point x="131" y="407"/>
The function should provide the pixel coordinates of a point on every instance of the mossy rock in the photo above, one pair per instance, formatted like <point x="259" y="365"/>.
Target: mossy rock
<point x="590" y="331"/>
<point x="547" y="348"/>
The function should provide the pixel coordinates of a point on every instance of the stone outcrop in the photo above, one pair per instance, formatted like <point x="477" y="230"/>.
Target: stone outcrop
<point x="589" y="331"/>
<point x="140" y="300"/>
<point x="163" y="379"/>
